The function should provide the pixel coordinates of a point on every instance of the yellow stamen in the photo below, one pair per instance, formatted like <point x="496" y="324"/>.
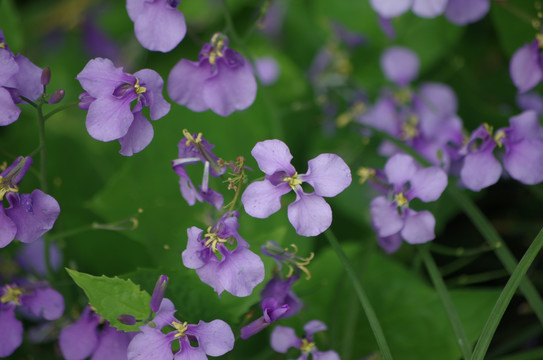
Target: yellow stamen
<point x="217" y="41"/>
<point x="539" y="38"/>
<point x="488" y="128"/>
<point x="191" y="139"/>
<point x="365" y="174"/>
<point x="307" y="346"/>
<point x="12" y="295"/>
<point x="403" y="96"/>
<point x="139" y="89"/>
<point x="213" y="240"/>
<point x="181" y="328"/>
<point x="2" y="45"/>
<point x="293" y="181"/>
<point x="5" y="188"/>
<point x="400" y="199"/>
<point x="409" y="128"/>
<point x="500" y="135"/>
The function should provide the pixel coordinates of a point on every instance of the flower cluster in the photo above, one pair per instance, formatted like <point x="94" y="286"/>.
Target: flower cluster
<point x="108" y="97"/>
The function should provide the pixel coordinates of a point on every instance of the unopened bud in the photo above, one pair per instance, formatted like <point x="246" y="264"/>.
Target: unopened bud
<point x="56" y="97"/>
<point x="46" y="76"/>
<point x="158" y="293"/>
<point x="127" y="319"/>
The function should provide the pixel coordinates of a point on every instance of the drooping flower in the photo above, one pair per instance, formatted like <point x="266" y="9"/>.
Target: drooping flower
<point x="391" y="216"/>
<point x="214" y="338"/>
<point x="37" y="299"/>
<point x="109" y="96"/>
<point x="221" y="80"/>
<point x="283" y="338"/>
<point x="18" y="77"/>
<point x="237" y="271"/>
<point x="523" y="156"/>
<point x="272" y="311"/>
<point x="309" y="213"/>
<point x="158" y="24"/>
<point x="194" y="149"/>
<point x="525" y="68"/>
<point x="90" y="336"/>
<point x="28" y="216"/>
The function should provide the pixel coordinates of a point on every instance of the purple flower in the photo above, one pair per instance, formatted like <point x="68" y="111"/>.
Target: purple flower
<point x="109" y="96"/>
<point x="272" y="310"/>
<point x="194" y="149"/>
<point x="287" y="257"/>
<point x="523" y="157"/>
<point x="222" y="80"/>
<point x="237" y="271"/>
<point x="267" y="70"/>
<point x="283" y="338"/>
<point x="392" y="217"/>
<point x="214" y="338"/>
<point x="158" y="293"/>
<point x="28" y="216"/>
<point x="87" y="337"/>
<point x="18" y="77"/>
<point x="525" y="68"/>
<point x="37" y="299"/>
<point x="31" y="257"/>
<point x="281" y="291"/>
<point x="309" y="213"/>
<point x="158" y="25"/>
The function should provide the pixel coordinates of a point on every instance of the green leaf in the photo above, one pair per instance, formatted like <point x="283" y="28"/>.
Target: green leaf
<point x="113" y="297"/>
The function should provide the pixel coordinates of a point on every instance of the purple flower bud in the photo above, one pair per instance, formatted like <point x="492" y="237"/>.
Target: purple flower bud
<point x="46" y="76"/>
<point x="127" y="319"/>
<point x="158" y="293"/>
<point x="56" y="97"/>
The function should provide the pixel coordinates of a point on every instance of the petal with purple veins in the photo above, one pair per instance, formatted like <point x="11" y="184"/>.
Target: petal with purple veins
<point x="524" y="161"/>
<point x="11" y="331"/>
<point x="215" y="338"/>
<point x="419" y="227"/>
<point x="139" y="135"/>
<point x="196" y="254"/>
<point x="400" y="169"/>
<point x="400" y="65"/>
<point x="524" y="67"/>
<point x="328" y="174"/>
<point x="28" y="78"/>
<point x="310" y="214"/>
<point x="427" y="184"/>
<point x="109" y="118"/>
<point x="283" y="338"/>
<point x="46" y="303"/>
<point x="390" y="8"/>
<point x="10" y="112"/>
<point x="113" y="344"/>
<point x="151" y="344"/>
<point x="261" y="198"/>
<point x="186" y="84"/>
<point x="480" y="170"/>
<point x="462" y="12"/>
<point x="158" y="107"/>
<point x="385" y="217"/>
<point x="8" y="229"/>
<point x="273" y="156"/>
<point x="429" y="8"/>
<point x="78" y="341"/>
<point x="100" y="77"/>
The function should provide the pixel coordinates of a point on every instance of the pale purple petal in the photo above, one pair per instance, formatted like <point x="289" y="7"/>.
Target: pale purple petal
<point x="390" y="243"/>
<point x="480" y="170"/>
<point x="267" y="70"/>
<point x="390" y="8"/>
<point x="427" y="184"/>
<point x="33" y="214"/>
<point x="313" y="327"/>
<point x="28" y="78"/>
<point x="8" y="68"/>
<point x="158" y="107"/>
<point x="151" y="344"/>
<point x="385" y="217"/>
<point x="186" y="84"/>
<point x="400" y="169"/>
<point x="32" y="257"/>
<point x="524" y="161"/>
<point x="165" y="314"/>
<point x="78" y="341"/>
<point x="215" y="338"/>
<point x="158" y="26"/>
<point x="113" y="345"/>
<point x="419" y="227"/>
<point x="254" y="328"/>
<point x="196" y="255"/>
<point x="309" y="214"/>
<point x="325" y="355"/>
<point x="273" y="156"/>
<point x="10" y="112"/>
<point x="8" y="229"/>
<point x="187" y="352"/>
<point x="139" y="135"/>
<point x="262" y="198"/>
<point x="524" y="67"/>
<point x="109" y="118"/>
<point x="383" y="116"/>
<point x="11" y="331"/>
<point x="231" y="88"/>
<point x="429" y="8"/>
<point x="283" y="338"/>
<point x="524" y="126"/>
<point x="134" y="8"/>
<point x="46" y="303"/>
<point x="100" y="77"/>
<point x="531" y="101"/>
<point x="462" y="12"/>
<point x="436" y="98"/>
<point x="400" y="65"/>
<point x="328" y="174"/>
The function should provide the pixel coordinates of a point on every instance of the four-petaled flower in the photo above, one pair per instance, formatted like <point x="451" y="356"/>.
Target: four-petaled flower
<point x="222" y="80"/>
<point x="108" y="97"/>
<point x="309" y="213"/>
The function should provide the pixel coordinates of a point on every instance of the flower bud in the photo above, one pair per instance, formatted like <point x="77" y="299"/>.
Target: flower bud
<point x="46" y="76"/>
<point x="56" y="97"/>
<point x="127" y="319"/>
<point x="158" y="293"/>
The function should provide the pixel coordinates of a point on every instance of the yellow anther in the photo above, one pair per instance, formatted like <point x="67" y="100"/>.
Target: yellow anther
<point x="212" y="57"/>
<point x="409" y="128"/>
<point x="191" y="139"/>
<point x="5" y="188"/>
<point x="12" y="295"/>
<point x="181" y="328"/>
<point x="488" y="128"/>
<point x="365" y="174"/>
<point x="217" y="41"/>
<point x="403" y="96"/>
<point x="2" y="45"/>
<point x="343" y="119"/>
<point x="500" y="135"/>
<point x="307" y="346"/>
<point x="213" y="240"/>
<point x="139" y="89"/>
<point x="293" y="181"/>
<point x="539" y="38"/>
<point x="400" y="199"/>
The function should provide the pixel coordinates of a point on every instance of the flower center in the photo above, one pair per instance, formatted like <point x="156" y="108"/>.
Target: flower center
<point x="365" y="174"/>
<point x="2" y="45"/>
<point x="217" y="41"/>
<point x="400" y="199"/>
<point x="191" y="139"/>
<point x="403" y="96"/>
<point x="409" y="128"/>
<point x="293" y="181"/>
<point x="539" y="38"/>
<point x="213" y="240"/>
<point x="139" y="89"/>
<point x="12" y="295"/>
<point x="5" y="188"/>
<point x="181" y="328"/>
<point x="500" y="135"/>
<point x="307" y="346"/>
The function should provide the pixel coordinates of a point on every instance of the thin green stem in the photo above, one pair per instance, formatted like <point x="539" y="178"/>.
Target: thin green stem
<point x="59" y="109"/>
<point x="362" y="297"/>
<point x="459" y="251"/>
<point x="43" y="149"/>
<point x="454" y="319"/>
<point x="471" y="279"/>
<point x="505" y="297"/>
<point x="30" y="102"/>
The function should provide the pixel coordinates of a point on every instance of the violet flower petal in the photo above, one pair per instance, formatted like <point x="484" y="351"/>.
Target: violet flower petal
<point x="325" y="355"/>
<point x="524" y="67"/>
<point x="419" y="227"/>
<point x="283" y="338"/>
<point x="158" y="107"/>
<point x="8" y="67"/>
<point x="11" y="331"/>
<point x="524" y="161"/>
<point x="8" y="229"/>
<point x="313" y="327"/>
<point x="139" y="135"/>
<point x="215" y="338"/>
<point x="429" y="8"/>
<point x="151" y="344"/>
<point x="310" y="214"/>
<point x="400" y="65"/>
<point x="427" y="184"/>
<point x="400" y="169"/>
<point x="261" y="198"/>
<point x="46" y="303"/>
<point x="385" y="217"/>
<point x="78" y="341"/>
<point x="480" y="170"/>
<point x="390" y="243"/>
<point x="10" y="112"/>
<point x="186" y="83"/>
<point x="390" y="8"/>
<point x="109" y="118"/>
<point x="113" y="344"/>
<point x="165" y="314"/>
<point x="273" y="156"/>
<point x="100" y="77"/>
<point x="462" y="12"/>
<point x="32" y="257"/>
<point x="267" y="70"/>
<point x="28" y="78"/>
<point x="328" y="174"/>
<point x="196" y="254"/>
